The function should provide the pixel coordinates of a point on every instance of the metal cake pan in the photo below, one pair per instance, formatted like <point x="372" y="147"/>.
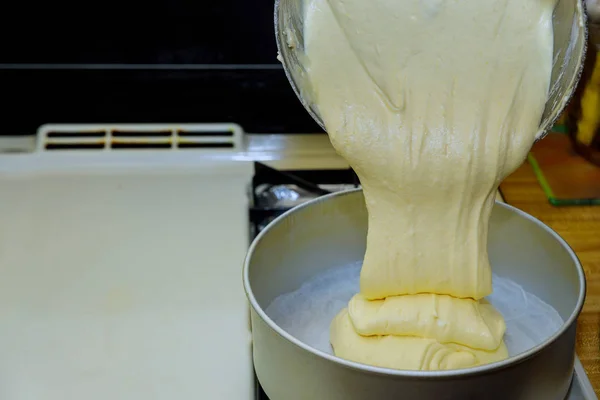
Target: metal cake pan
<point x="330" y="232"/>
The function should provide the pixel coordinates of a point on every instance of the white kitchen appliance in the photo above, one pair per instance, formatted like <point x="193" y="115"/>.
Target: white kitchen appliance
<point x="120" y="272"/>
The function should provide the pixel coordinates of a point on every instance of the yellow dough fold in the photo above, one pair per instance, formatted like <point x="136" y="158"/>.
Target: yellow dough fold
<point x="405" y="352"/>
<point x="446" y="319"/>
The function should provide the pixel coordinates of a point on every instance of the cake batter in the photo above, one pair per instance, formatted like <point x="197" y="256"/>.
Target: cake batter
<point x="433" y="103"/>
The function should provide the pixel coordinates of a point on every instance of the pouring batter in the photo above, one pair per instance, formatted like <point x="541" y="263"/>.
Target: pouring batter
<point x="433" y="103"/>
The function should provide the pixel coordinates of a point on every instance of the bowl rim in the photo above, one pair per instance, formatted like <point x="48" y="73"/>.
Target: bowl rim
<point x="426" y="375"/>
<point x="545" y="126"/>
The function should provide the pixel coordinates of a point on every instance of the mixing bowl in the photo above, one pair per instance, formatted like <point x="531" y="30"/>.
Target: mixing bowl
<point x="570" y="36"/>
<point x="331" y="232"/>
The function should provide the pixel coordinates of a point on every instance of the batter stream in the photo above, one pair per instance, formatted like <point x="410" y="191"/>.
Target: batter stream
<point x="433" y="103"/>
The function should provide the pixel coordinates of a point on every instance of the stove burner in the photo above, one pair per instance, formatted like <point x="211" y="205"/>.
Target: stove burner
<point x="275" y="192"/>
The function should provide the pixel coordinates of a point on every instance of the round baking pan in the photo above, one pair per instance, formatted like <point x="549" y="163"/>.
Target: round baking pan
<point x="330" y="232"/>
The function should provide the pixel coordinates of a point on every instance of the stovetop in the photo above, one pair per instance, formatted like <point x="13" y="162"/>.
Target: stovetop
<point x="273" y="192"/>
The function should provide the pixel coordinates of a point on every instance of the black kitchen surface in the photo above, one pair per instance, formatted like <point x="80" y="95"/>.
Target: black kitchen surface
<point x="259" y="100"/>
<point x="143" y="62"/>
<point x="140" y="32"/>
<point x="260" y="393"/>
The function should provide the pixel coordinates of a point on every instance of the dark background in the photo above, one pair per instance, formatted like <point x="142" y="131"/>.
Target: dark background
<point x="134" y="61"/>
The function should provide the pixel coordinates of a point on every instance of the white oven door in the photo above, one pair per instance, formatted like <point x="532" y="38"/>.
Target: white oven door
<point x="120" y="278"/>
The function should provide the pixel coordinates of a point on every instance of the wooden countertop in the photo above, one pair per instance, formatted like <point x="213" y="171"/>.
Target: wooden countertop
<point x="580" y="227"/>
<point x="293" y="152"/>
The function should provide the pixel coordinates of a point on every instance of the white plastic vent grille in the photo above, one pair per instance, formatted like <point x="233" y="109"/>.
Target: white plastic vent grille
<point x="131" y="137"/>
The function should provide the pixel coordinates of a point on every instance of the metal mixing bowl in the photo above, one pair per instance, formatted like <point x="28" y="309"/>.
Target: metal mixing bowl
<point x="570" y="37"/>
<point x="330" y="232"/>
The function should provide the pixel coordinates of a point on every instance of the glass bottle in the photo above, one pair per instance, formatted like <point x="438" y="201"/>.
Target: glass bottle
<point x="584" y="112"/>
